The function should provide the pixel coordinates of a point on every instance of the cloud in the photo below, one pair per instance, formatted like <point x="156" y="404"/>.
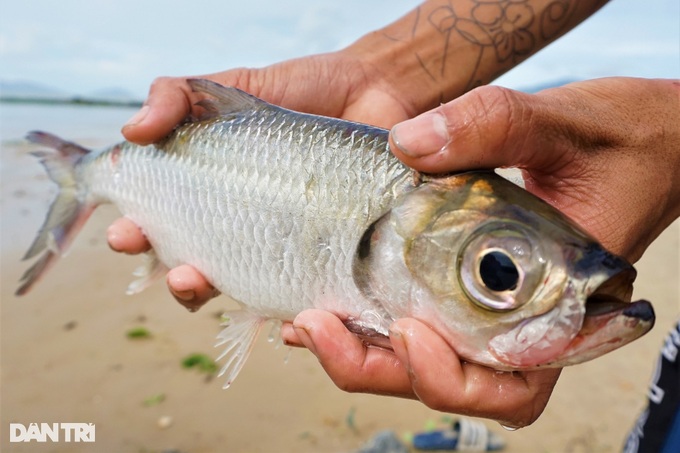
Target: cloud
<point x="19" y="39"/>
<point x="84" y="44"/>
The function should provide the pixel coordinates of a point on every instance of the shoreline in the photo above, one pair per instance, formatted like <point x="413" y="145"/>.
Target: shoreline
<point x="76" y="100"/>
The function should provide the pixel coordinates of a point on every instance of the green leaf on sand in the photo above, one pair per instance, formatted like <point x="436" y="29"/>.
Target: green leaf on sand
<point x="154" y="400"/>
<point x="201" y="362"/>
<point x="138" y="332"/>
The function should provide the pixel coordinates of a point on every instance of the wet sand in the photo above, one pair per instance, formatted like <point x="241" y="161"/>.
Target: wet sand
<point x="66" y="358"/>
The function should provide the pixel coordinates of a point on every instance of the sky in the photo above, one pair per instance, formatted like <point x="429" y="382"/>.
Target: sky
<point x="82" y="46"/>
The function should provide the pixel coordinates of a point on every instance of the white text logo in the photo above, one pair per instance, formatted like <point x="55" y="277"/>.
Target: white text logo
<point x="55" y="432"/>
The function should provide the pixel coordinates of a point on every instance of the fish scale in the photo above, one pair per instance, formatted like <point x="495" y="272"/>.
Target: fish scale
<point x="285" y="211"/>
<point x="255" y="196"/>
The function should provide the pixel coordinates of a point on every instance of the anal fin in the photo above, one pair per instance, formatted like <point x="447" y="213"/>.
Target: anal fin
<point x="240" y="331"/>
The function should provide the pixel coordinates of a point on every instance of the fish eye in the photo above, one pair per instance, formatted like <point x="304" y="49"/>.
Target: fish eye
<point x="501" y="266"/>
<point x="498" y="272"/>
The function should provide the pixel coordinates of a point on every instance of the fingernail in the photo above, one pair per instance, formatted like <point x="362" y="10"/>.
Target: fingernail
<point x="305" y="338"/>
<point x="186" y="295"/>
<point x="138" y="117"/>
<point x="116" y="238"/>
<point x="188" y="300"/>
<point x="421" y="136"/>
<point x="113" y="239"/>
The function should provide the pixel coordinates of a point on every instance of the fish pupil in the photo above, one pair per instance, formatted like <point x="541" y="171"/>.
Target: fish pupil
<point x="498" y="272"/>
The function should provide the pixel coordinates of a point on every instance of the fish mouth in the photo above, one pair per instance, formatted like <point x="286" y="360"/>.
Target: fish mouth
<point x="613" y="297"/>
<point x="611" y="320"/>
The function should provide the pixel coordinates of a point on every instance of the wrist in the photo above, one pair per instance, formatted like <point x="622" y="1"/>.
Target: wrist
<point x="393" y="66"/>
<point x="661" y="145"/>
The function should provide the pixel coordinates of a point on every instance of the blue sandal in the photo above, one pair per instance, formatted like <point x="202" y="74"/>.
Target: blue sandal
<point x="464" y="435"/>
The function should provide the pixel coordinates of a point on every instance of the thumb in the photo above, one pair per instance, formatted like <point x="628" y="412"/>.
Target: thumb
<point x="488" y="127"/>
<point x="170" y="100"/>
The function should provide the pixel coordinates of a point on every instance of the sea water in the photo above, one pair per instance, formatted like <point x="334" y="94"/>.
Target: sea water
<point x="25" y="190"/>
<point x="70" y="121"/>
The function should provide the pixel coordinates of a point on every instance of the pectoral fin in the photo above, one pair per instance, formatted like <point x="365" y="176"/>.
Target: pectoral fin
<point x="149" y="272"/>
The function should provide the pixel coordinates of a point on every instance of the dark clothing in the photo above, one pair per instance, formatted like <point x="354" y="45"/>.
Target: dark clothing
<point x="658" y="428"/>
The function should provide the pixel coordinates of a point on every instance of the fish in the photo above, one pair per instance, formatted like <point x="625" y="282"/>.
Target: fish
<point x="285" y="211"/>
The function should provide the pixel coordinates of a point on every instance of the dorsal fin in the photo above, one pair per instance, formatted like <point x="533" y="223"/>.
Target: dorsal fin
<point x="67" y="150"/>
<point x="228" y="101"/>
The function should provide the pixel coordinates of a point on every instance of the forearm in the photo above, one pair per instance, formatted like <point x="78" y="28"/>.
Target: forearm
<point x="444" y="48"/>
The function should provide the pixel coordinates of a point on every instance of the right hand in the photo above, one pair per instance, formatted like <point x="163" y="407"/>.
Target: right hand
<point x="605" y="152"/>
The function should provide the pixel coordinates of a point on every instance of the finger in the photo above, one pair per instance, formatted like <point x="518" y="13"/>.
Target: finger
<point x="488" y="127"/>
<point x="289" y="337"/>
<point x="353" y="366"/>
<point x="169" y="102"/>
<point x="443" y="382"/>
<point x="364" y="110"/>
<point x="123" y="235"/>
<point x="189" y="287"/>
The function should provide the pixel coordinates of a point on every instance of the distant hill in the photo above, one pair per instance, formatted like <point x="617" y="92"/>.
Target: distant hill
<point x="112" y="94"/>
<point x="25" y="91"/>
<point x="30" y="90"/>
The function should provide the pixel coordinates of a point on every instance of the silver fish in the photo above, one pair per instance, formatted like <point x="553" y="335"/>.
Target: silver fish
<point x="285" y="211"/>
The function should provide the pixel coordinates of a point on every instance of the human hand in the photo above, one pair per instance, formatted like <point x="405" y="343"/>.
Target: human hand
<point x="340" y="84"/>
<point x="604" y="152"/>
<point x="186" y="284"/>
<point x="423" y="366"/>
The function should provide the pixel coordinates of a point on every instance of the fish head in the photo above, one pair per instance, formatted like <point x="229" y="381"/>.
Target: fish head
<point x="507" y="279"/>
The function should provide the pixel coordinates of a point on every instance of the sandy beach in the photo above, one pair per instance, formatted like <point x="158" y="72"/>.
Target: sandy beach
<point x="66" y="357"/>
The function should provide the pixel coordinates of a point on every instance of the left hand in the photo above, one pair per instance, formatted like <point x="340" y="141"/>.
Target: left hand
<point x="186" y="284"/>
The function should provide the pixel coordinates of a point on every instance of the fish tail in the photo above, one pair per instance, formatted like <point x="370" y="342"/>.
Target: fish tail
<point x="67" y="214"/>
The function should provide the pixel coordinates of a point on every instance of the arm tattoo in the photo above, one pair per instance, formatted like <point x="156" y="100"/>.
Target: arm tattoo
<point x="506" y="31"/>
<point x="555" y="18"/>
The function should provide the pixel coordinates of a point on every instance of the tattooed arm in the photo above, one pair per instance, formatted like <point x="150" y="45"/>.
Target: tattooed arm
<point x="445" y="48"/>
<point x="433" y="54"/>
